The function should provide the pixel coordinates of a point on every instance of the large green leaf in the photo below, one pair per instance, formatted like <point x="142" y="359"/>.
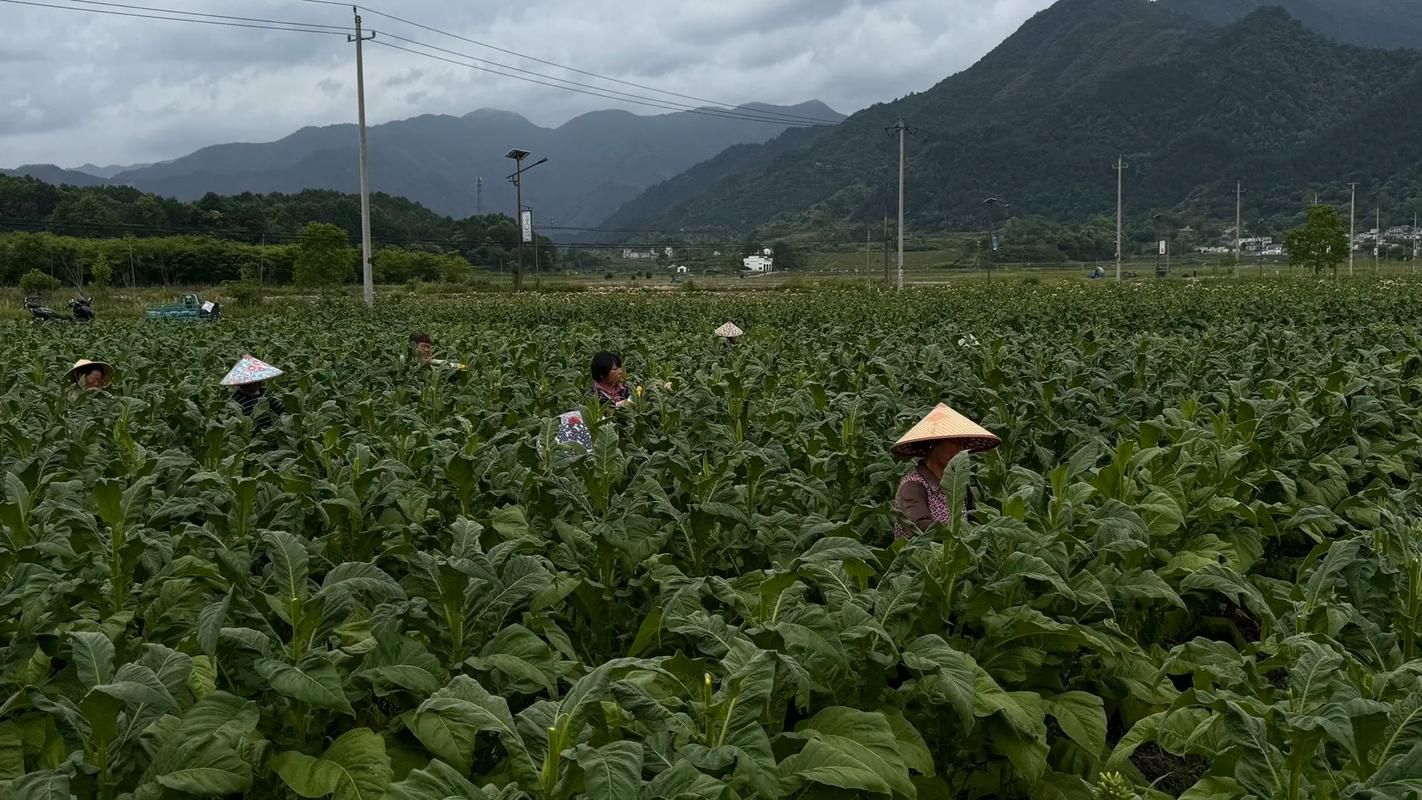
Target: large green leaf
<point x="949" y="675"/>
<point x="448" y="723"/>
<point x="437" y="781"/>
<point x="354" y="767"/>
<point x="93" y="657"/>
<point x="611" y="772"/>
<point x="316" y="681"/>
<point x="1082" y="717"/>
<point x="822" y="762"/>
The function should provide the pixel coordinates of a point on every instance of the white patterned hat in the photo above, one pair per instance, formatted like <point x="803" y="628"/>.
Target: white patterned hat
<point x="250" y="370"/>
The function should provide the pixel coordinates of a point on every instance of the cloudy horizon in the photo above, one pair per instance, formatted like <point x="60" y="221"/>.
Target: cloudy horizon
<point x="89" y="88"/>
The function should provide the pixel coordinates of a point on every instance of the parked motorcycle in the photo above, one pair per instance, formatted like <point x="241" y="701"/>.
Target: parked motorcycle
<point x="82" y="308"/>
<point x="40" y="313"/>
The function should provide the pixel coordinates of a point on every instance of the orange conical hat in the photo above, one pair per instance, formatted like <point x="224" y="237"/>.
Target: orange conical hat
<point x="940" y="424"/>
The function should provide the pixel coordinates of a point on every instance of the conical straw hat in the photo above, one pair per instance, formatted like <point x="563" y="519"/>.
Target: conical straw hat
<point x="84" y="362"/>
<point x="729" y="331"/>
<point x="944" y="423"/>
<point x="250" y="370"/>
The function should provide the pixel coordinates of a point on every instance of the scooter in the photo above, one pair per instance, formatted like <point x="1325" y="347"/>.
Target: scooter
<point x="82" y="308"/>
<point x="41" y="314"/>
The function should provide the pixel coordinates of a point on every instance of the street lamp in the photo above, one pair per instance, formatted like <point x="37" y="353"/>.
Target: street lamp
<point x="517" y="156"/>
<point x="993" y="243"/>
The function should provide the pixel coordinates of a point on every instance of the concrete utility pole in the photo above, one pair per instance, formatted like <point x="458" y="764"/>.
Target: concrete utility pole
<point x="902" y="129"/>
<point x="1120" y="210"/>
<point x="367" y="273"/>
<point x="1238" y="224"/>
<point x="478" y="196"/>
<point x="1377" y="245"/>
<point x="1352" y="228"/>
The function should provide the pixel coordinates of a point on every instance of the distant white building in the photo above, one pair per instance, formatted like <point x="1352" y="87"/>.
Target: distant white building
<point x="759" y="263"/>
<point x="638" y="255"/>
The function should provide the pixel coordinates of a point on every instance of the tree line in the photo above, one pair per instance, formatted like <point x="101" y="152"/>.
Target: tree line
<point x="63" y="231"/>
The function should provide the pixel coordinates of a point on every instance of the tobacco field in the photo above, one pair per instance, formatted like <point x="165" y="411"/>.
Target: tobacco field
<point x="1195" y="569"/>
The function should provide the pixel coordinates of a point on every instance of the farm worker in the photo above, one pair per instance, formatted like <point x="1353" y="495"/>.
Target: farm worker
<point x="88" y="376"/>
<point x="250" y="376"/>
<point x="933" y="442"/>
<point x="609" y="381"/>
<point x="422" y="354"/>
<point x="421" y="348"/>
<point x="730" y="333"/>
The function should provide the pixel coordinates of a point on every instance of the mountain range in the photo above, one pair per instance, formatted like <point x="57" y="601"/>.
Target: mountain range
<point x="596" y="162"/>
<point x="1039" y="122"/>
<point x="1293" y="97"/>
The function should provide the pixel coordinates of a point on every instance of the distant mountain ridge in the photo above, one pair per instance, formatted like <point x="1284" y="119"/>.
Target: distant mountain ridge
<point x="1367" y="23"/>
<point x="1040" y="120"/>
<point x="597" y="161"/>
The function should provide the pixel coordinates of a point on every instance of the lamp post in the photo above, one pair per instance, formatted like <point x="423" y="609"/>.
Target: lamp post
<point x="993" y="243"/>
<point x="517" y="156"/>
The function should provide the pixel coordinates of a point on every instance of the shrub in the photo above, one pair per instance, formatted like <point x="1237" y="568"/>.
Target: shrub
<point x="36" y="282"/>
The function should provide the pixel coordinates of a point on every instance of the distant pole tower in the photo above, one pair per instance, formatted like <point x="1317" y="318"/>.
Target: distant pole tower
<point x="478" y="196"/>
<point x="1377" y="244"/>
<point x="1120" y="210"/>
<point x="1352" y="228"/>
<point x="1238" y="223"/>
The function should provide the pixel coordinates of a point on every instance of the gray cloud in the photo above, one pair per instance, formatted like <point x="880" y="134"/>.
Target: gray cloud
<point x="115" y="89"/>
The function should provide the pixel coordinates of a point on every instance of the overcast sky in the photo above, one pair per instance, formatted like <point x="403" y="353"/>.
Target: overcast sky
<point x="79" y="87"/>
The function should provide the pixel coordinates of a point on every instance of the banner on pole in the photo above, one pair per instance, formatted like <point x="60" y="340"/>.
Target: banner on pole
<point x="995" y="243"/>
<point x="1162" y="247"/>
<point x="526" y="217"/>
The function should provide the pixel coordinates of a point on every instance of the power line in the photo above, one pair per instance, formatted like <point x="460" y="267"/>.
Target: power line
<point x="223" y="23"/>
<point x="700" y="111"/>
<point x="755" y="116"/>
<point x="515" y="53"/>
<point x="212" y="16"/>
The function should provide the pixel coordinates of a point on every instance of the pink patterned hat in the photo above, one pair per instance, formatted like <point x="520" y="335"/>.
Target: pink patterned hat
<point x="250" y="370"/>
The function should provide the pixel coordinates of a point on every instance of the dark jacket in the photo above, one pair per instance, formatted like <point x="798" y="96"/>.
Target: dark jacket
<point x="250" y="404"/>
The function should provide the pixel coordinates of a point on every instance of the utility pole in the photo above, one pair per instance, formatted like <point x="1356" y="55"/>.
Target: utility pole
<point x="478" y="196"/>
<point x="868" y="252"/>
<point x="1377" y="249"/>
<point x="367" y="273"/>
<point x="1352" y="228"/>
<point x="886" y="245"/>
<point x="1120" y="210"/>
<point x="1238" y="224"/>
<point x="517" y="156"/>
<point x="902" y="129"/>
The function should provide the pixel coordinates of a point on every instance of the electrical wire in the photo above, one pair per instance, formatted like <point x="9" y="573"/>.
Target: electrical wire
<point x="223" y="23"/>
<point x="132" y="7"/>
<point x="655" y="102"/>
<point x="750" y="109"/>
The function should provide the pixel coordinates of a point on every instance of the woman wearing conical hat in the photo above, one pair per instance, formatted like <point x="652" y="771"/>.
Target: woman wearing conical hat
<point x="89" y="376"/>
<point x="729" y="333"/>
<point x="932" y="443"/>
<point x="249" y="377"/>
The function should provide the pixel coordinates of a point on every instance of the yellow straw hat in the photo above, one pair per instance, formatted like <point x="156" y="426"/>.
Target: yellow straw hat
<point x="729" y="331"/>
<point x="943" y="423"/>
<point x="84" y="362"/>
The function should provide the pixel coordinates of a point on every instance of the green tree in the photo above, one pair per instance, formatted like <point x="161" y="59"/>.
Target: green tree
<point x="101" y="272"/>
<point x="1322" y="242"/>
<point x="323" y="256"/>
<point x="36" y="282"/>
